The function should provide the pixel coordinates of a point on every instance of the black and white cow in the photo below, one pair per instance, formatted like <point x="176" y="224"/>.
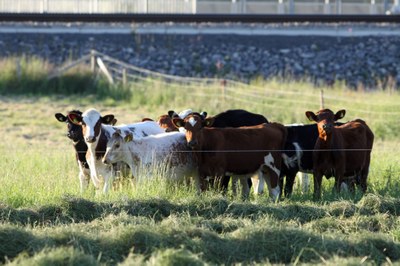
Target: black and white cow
<point x="297" y="155"/>
<point x="74" y="133"/>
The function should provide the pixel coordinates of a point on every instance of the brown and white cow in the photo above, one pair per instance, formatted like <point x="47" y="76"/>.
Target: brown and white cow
<point x="342" y="151"/>
<point x="238" y="151"/>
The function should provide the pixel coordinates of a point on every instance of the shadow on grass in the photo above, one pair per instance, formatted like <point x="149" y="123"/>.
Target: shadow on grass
<point x="74" y="210"/>
<point x="249" y="245"/>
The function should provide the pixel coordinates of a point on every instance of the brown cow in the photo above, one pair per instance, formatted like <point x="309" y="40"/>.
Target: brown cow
<point x="166" y="122"/>
<point x="342" y="151"/>
<point x="239" y="151"/>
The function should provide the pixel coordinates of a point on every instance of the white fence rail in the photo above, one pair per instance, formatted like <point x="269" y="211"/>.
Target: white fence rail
<point x="200" y="6"/>
<point x="98" y="6"/>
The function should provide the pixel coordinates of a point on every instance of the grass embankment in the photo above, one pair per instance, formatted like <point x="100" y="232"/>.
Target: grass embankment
<point x="44" y="220"/>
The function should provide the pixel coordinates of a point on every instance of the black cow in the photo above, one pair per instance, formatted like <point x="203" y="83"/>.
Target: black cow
<point x="237" y="118"/>
<point x="231" y="118"/>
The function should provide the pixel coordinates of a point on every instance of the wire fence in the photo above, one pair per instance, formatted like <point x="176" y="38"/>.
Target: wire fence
<point x="117" y="71"/>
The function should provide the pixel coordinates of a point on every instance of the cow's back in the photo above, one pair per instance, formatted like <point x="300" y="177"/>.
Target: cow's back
<point x="240" y="150"/>
<point x="238" y="118"/>
<point x="357" y="144"/>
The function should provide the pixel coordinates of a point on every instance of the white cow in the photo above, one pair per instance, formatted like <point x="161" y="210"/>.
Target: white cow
<point x="166" y="149"/>
<point x="96" y="134"/>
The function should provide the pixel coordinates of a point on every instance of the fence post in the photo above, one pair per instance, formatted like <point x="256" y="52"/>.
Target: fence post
<point x="327" y="7"/>
<point x="194" y="6"/>
<point x="92" y="61"/>
<point x="291" y="7"/>
<point x="234" y="7"/>
<point x="338" y="7"/>
<point x="124" y="77"/>
<point x="281" y="7"/>
<point x="321" y="103"/>
<point x="372" y="8"/>
<point x="223" y="87"/>
<point x="105" y="71"/>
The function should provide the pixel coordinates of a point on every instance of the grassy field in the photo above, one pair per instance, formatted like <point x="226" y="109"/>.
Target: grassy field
<point x="45" y="220"/>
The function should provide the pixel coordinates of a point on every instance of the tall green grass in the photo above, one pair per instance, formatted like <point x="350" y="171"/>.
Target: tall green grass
<point x="46" y="220"/>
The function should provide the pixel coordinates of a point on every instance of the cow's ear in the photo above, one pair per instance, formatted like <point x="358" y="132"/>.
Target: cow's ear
<point x="75" y="118"/>
<point x="113" y="122"/>
<point x="60" y="117"/>
<point x="340" y="114"/>
<point x="178" y="122"/>
<point x="311" y="116"/>
<point x="203" y="115"/>
<point x="172" y="114"/>
<point x="208" y="122"/>
<point x="107" y="119"/>
<point x="128" y="137"/>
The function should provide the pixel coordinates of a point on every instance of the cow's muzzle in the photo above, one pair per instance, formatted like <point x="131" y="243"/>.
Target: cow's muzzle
<point x="327" y="128"/>
<point x="90" y="139"/>
<point x="105" y="160"/>
<point x="192" y="144"/>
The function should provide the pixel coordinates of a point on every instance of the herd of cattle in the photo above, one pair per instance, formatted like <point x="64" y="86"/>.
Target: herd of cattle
<point x="234" y="144"/>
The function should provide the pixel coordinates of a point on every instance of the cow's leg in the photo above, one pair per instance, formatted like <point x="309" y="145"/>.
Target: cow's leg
<point x="363" y="179"/>
<point x="234" y="185"/>
<point x="305" y="182"/>
<point x="281" y="181"/>
<point x="197" y="182"/>
<point x="249" y="182"/>
<point x="93" y="170"/>
<point x="84" y="181"/>
<point x="224" y="183"/>
<point x="289" y="184"/>
<point x="84" y="177"/>
<point x="108" y="180"/>
<point x="339" y="177"/>
<point x="351" y="183"/>
<point x="245" y="186"/>
<point x="317" y="185"/>
<point x="258" y="183"/>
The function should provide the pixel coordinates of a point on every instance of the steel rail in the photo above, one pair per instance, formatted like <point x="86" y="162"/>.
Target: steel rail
<point x="194" y="18"/>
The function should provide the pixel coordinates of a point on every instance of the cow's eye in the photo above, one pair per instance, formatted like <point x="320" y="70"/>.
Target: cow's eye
<point x="117" y="145"/>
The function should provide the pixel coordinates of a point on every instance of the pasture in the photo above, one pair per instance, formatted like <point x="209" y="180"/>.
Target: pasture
<point x="45" y="220"/>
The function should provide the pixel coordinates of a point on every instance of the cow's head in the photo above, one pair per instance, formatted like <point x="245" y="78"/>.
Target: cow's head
<point x="325" y="119"/>
<point x="91" y="121"/>
<point x="116" y="149"/>
<point x="172" y="114"/>
<point x="165" y="122"/>
<point x="185" y="113"/>
<point x="193" y="125"/>
<point x="74" y="129"/>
